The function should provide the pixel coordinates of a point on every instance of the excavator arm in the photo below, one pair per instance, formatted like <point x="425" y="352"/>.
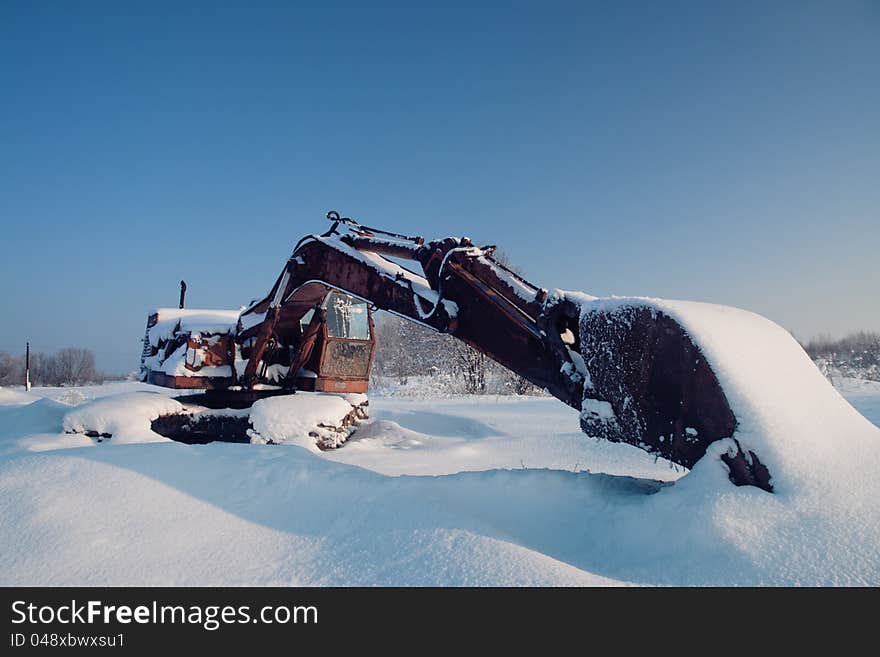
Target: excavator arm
<point x="633" y="373"/>
<point x="462" y="291"/>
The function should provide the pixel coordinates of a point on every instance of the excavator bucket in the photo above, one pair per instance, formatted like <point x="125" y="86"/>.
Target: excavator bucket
<point x="653" y="387"/>
<point x="629" y="366"/>
<point x="650" y="384"/>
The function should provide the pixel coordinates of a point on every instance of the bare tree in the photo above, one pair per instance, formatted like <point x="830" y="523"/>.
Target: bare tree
<point x="11" y="370"/>
<point x="471" y="365"/>
<point x="515" y="383"/>
<point x="44" y="370"/>
<point x="404" y="349"/>
<point x="74" y="366"/>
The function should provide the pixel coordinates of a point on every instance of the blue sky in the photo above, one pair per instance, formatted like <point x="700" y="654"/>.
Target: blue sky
<point x="725" y="152"/>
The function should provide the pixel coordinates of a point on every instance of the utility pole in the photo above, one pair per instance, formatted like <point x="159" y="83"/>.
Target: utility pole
<point x="27" y="367"/>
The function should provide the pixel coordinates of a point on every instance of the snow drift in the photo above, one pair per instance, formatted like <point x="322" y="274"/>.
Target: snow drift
<point x="786" y="411"/>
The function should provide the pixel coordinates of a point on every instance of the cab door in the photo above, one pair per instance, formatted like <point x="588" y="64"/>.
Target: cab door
<point x="348" y="345"/>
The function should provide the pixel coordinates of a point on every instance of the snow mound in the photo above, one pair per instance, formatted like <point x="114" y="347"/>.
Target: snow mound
<point x="125" y="417"/>
<point x="300" y="419"/>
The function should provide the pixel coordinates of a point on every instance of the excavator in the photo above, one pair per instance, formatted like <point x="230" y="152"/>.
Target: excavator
<point x="632" y="371"/>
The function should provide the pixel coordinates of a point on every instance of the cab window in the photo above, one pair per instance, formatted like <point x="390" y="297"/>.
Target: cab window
<point x="347" y="317"/>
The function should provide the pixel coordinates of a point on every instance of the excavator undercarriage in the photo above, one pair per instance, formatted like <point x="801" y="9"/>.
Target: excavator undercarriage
<point x="633" y="372"/>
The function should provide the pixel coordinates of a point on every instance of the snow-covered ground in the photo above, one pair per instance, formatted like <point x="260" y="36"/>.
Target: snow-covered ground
<point x="458" y="491"/>
<point x="863" y="395"/>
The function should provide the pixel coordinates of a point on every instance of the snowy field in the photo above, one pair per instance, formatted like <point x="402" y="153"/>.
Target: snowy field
<point x="460" y="491"/>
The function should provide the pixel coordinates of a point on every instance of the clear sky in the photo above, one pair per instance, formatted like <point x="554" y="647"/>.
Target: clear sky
<point x="725" y="152"/>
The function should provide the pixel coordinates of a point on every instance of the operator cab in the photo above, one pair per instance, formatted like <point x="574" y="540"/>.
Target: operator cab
<point x="336" y="345"/>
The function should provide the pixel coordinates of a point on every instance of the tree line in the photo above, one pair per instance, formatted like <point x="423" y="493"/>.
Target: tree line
<point x="72" y="366"/>
<point x="405" y="350"/>
<point x="857" y="355"/>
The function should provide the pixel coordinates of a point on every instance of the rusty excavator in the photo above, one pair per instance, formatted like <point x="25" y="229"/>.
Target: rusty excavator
<point x="633" y="373"/>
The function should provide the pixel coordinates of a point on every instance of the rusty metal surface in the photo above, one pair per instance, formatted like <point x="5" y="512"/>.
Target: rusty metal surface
<point x="666" y="399"/>
<point x="346" y="359"/>
<point x="328" y="384"/>
<point x="189" y="382"/>
<point x="218" y="354"/>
